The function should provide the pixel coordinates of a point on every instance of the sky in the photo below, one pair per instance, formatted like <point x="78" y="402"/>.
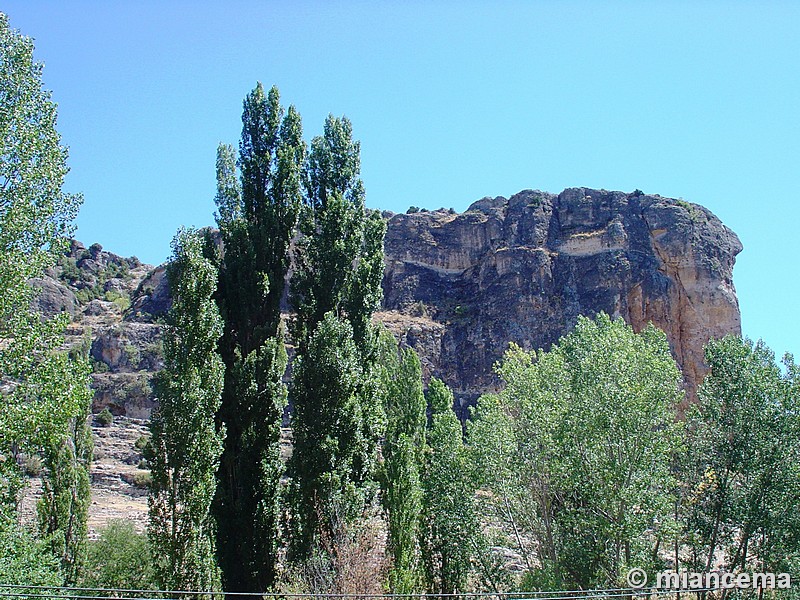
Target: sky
<point x="452" y="101"/>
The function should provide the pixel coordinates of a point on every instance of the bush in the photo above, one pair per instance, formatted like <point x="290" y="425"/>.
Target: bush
<point x="32" y="465"/>
<point x="132" y="354"/>
<point x="123" y="303"/>
<point x="24" y="559"/>
<point x="105" y="418"/>
<point x="69" y="269"/>
<point x="142" y="442"/>
<point x="120" y="558"/>
<point x="142" y="479"/>
<point x="98" y="366"/>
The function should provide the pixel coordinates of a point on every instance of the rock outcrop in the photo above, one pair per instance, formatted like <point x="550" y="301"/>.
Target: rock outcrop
<point x="459" y="287"/>
<point x="522" y="269"/>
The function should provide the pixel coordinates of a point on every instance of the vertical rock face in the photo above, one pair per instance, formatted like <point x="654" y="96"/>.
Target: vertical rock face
<point x="522" y="269"/>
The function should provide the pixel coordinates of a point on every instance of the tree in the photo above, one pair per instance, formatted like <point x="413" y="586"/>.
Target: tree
<point x="338" y="274"/>
<point x="743" y="462"/>
<point x="588" y="432"/>
<point x="450" y="525"/>
<point x="325" y="385"/>
<point x="186" y="445"/>
<point x="257" y="217"/>
<point x="63" y="508"/>
<point x="340" y="252"/>
<point x="403" y="452"/>
<point x="44" y="395"/>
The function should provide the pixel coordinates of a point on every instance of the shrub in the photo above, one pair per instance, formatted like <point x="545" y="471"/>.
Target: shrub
<point x="123" y="303"/>
<point x="120" y="558"/>
<point x="69" y="269"/>
<point x="132" y="354"/>
<point x="24" y="559"/>
<point x="142" y="442"/>
<point x="105" y="418"/>
<point x="142" y="479"/>
<point x="32" y="465"/>
<point x="98" y="366"/>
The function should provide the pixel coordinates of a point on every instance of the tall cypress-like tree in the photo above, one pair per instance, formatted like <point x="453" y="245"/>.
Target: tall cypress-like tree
<point x="257" y="217"/>
<point x="450" y="526"/>
<point x="63" y="508"/>
<point x="338" y="273"/>
<point x="403" y="452"/>
<point x="186" y="444"/>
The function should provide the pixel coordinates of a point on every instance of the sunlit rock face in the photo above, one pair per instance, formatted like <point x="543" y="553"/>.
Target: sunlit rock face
<point x="522" y="269"/>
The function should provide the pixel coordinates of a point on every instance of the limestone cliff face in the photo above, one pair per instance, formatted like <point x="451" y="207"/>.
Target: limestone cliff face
<point x="522" y="269"/>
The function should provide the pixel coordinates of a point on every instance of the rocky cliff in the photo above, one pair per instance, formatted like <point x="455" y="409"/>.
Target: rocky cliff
<point x="522" y="269"/>
<point x="459" y="287"/>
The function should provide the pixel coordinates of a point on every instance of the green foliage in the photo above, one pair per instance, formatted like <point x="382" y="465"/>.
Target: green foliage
<point x="577" y="449"/>
<point x="450" y="523"/>
<point x="69" y="269"/>
<point x="695" y="214"/>
<point x="24" y="559"/>
<point x="142" y="479"/>
<point x="32" y="465"/>
<point x="119" y="558"/>
<point x="63" y="508"/>
<point x="139" y="386"/>
<point x="336" y="287"/>
<point x="185" y="446"/>
<point x="98" y="366"/>
<point x="36" y="215"/>
<point x="104" y="417"/>
<point x="743" y="463"/>
<point x="340" y="253"/>
<point x="403" y="452"/>
<point x="122" y="301"/>
<point x="132" y="355"/>
<point x="328" y="483"/>
<point x="44" y="411"/>
<point x="257" y="214"/>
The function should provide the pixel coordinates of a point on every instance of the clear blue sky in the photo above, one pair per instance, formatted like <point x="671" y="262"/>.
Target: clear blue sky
<point x="452" y="101"/>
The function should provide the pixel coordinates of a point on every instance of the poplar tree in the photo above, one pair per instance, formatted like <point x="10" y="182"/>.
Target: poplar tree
<point x="44" y="393"/>
<point x="256" y="216"/>
<point x="336" y="287"/>
<point x="327" y="445"/>
<point x="578" y="450"/>
<point x="186" y="445"/>
<point x="744" y="452"/>
<point x="450" y="527"/>
<point x="63" y="508"/>
<point x="403" y="451"/>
